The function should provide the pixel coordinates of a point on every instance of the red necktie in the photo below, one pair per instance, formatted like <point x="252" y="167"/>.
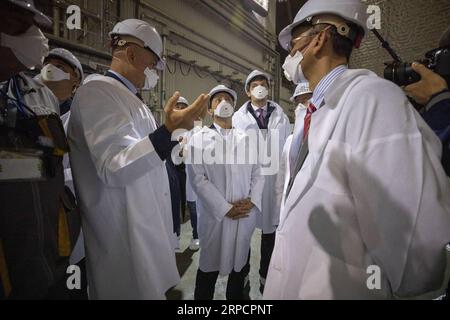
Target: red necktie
<point x="307" y="121"/>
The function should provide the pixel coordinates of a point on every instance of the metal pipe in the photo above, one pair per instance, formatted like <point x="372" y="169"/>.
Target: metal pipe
<point x="55" y="21"/>
<point x="102" y="21"/>
<point x="70" y="45"/>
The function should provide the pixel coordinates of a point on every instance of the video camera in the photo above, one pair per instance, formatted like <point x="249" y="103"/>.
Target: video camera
<point x="402" y="74"/>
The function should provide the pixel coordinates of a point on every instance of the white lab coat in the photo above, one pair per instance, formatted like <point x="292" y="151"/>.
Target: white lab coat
<point x="224" y="242"/>
<point x="278" y="120"/>
<point x="372" y="191"/>
<point x="123" y="192"/>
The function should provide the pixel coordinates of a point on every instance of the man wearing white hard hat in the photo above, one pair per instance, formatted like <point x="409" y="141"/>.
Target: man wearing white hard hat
<point x="36" y="236"/>
<point x="300" y="98"/>
<point x="62" y="73"/>
<point x="189" y="195"/>
<point x="118" y="155"/>
<point x="260" y="113"/>
<point x="367" y="191"/>
<point x="228" y="199"/>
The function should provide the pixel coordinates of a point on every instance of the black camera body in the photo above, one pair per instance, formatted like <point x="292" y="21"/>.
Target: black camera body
<point x="402" y="74"/>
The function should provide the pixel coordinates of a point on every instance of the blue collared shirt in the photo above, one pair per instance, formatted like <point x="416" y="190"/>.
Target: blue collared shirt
<point x="325" y="83"/>
<point x="125" y="81"/>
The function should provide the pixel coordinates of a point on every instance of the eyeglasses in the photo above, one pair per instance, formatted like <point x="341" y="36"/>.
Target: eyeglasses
<point x="295" y="40"/>
<point x="154" y="63"/>
<point x="122" y="43"/>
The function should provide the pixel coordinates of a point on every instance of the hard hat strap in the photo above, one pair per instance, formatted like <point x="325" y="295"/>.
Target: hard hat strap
<point x="341" y="25"/>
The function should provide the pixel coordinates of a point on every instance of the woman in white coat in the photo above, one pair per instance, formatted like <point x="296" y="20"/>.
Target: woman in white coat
<point x="229" y="199"/>
<point x="117" y="158"/>
<point x="267" y="117"/>
<point x="368" y="212"/>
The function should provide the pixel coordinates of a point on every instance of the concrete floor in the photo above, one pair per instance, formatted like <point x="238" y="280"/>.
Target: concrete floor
<point x="187" y="262"/>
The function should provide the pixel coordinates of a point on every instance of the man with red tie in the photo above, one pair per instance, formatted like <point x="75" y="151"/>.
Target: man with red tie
<point x="367" y="208"/>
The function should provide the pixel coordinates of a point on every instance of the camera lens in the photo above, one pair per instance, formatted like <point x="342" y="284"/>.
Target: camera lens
<point x="401" y="73"/>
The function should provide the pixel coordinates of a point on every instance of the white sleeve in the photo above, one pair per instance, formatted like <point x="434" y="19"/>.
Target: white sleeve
<point x="257" y="186"/>
<point x="119" y="153"/>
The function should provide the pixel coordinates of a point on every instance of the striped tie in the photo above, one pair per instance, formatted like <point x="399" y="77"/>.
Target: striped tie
<point x="261" y="116"/>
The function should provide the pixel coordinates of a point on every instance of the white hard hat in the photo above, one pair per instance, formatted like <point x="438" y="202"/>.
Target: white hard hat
<point x="69" y="58"/>
<point x="350" y="10"/>
<point x="302" y="88"/>
<point x="222" y="88"/>
<point x="182" y="100"/>
<point x="143" y="31"/>
<point x="254" y="74"/>
<point x="40" y="19"/>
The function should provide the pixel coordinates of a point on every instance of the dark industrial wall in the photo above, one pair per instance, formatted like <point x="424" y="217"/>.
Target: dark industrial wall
<point x="412" y="27"/>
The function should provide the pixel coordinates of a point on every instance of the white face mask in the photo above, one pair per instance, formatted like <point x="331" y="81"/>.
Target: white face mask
<point x="260" y="92"/>
<point x="293" y="68"/>
<point x="300" y="106"/>
<point x="224" y="109"/>
<point x="151" y="79"/>
<point x="52" y="73"/>
<point x="30" y="48"/>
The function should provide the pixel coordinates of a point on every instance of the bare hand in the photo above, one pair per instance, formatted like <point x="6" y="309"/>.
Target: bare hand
<point x="243" y="207"/>
<point x="184" y="119"/>
<point x="429" y="84"/>
<point x="245" y="204"/>
<point x="236" y="212"/>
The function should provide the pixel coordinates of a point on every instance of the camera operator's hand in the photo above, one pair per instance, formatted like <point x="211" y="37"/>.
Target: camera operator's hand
<point x="429" y="84"/>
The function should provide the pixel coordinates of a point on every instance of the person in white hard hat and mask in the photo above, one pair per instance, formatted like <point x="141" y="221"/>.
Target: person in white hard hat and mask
<point x="36" y="236"/>
<point x="367" y="209"/>
<point x="189" y="194"/>
<point x="229" y="199"/>
<point x="118" y="158"/>
<point x="62" y="73"/>
<point x="300" y="99"/>
<point x="260" y="113"/>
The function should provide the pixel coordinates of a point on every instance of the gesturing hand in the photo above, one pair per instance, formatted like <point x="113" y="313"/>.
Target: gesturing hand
<point x="184" y="119"/>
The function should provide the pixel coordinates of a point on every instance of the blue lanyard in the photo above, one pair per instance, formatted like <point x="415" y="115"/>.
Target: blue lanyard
<point x="21" y="106"/>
